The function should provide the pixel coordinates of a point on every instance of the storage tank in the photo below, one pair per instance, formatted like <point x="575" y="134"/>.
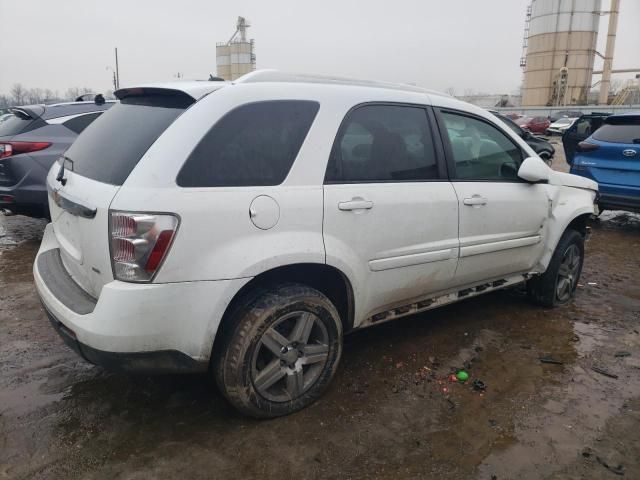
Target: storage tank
<point x="560" y="51"/>
<point x="236" y="57"/>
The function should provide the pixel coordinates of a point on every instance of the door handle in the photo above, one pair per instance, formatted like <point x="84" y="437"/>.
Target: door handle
<point x="475" y="201"/>
<point x="355" y="204"/>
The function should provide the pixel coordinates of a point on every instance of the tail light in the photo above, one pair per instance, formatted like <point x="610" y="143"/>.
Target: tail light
<point x="139" y="243"/>
<point x="587" y="147"/>
<point x="8" y="149"/>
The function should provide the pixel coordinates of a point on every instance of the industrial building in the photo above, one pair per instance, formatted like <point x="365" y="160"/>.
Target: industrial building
<point x="236" y="57"/>
<point x="560" y="48"/>
<point x="561" y="38"/>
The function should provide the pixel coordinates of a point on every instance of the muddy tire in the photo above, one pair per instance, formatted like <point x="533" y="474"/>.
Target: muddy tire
<point x="558" y="284"/>
<point x="279" y="352"/>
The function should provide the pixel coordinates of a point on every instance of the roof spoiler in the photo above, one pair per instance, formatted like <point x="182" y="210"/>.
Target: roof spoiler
<point x="27" y="113"/>
<point x="175" y="97"/>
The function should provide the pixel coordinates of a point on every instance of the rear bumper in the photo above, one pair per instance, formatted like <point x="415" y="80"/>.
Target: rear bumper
<point x="144" y="328"/>
<point x="155" y="362"/>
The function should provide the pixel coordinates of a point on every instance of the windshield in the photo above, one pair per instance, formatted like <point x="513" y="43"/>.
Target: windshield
<point x="564" y="121"/>
<point x="110" y="148"/>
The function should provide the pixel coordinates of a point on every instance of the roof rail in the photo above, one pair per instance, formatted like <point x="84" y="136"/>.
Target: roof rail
<point x="285" y="77"/>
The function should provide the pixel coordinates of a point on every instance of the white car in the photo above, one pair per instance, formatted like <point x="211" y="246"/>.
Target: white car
<point x="560" y="126"/>
<point x="245" y="227"/>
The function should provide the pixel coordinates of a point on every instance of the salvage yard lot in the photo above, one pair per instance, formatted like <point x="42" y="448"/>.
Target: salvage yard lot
<point x="391" y="412"/>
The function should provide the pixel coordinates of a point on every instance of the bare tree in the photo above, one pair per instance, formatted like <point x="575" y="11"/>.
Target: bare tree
<point x="18" y="94"/>
<point x="450" y="91"/>
<point x="35" y="95"/>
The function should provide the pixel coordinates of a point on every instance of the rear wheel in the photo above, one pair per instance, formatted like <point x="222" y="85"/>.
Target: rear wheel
<point x="281" y="352"/>
<point x="558" y="284"/>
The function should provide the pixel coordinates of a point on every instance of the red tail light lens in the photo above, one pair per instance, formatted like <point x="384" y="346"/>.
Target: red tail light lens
<point x="14" y="148"/>
<point x="139" y="244"/>
<point x="587" y="147"/>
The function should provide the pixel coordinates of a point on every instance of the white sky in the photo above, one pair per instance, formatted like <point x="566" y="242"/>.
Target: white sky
<point x="465" y="44"/>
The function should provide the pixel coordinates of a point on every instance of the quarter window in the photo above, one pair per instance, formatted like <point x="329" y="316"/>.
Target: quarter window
<point x="79" y="123"/>
<point x="481" y="151"/>
<point x="253" y="145"/>
<point x="383" y="143"/>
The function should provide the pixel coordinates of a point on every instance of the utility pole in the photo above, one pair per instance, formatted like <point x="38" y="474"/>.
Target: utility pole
<point x="605" y="84"/>
<point x="117" y="72"/>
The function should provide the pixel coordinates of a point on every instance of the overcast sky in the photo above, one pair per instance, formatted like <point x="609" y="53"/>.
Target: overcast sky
<point x="465" y="44"/>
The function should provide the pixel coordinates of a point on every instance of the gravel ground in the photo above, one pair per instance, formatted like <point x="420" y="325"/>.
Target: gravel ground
<point x="390" y="413"/>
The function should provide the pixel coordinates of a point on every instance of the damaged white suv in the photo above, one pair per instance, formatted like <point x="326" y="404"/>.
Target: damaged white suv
<point x="245" y="227"/>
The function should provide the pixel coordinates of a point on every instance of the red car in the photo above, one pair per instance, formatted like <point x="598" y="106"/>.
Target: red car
<point x="534" y="124"/>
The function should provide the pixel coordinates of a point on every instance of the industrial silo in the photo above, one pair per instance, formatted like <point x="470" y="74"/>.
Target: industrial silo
<point x="561" y="38"/>
<point x="236" y="57"/>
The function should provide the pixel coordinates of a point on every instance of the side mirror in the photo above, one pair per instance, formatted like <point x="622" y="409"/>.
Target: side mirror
<point x="534" y="170"/>
<point x="526" y="135"/>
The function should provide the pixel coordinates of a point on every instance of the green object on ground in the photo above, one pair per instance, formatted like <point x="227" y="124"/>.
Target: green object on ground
<point x="462" y="376"/>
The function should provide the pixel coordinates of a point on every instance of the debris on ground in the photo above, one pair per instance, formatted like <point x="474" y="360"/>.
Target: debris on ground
<point x="462" y="376"/>
<point x="550" y="360"/>
<point x="618" y="470"/>
<point x="478" y="385"/>
<point x="622" y="354"/>
<point x="604" y="372"/>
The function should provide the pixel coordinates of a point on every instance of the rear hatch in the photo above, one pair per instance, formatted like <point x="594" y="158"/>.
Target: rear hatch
<point x="86" y="179"/>
<point x="612" y="156"/>
<point x="16" y="121"/>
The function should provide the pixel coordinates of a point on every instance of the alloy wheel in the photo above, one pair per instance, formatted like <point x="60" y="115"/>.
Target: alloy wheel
<point x="290" y="356"/>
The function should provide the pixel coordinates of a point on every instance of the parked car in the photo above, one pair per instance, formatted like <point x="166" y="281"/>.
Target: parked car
<point x="246" y="231"/>
<point x="542" y="147"/>
<point x="513" y="116"/>
<point x="554" y="117"/>
<point x="560" y="126"/>
<point x="32" y="138"/>
<point x="611" y="157"/>
<point x="534" y="124"/>
<point x="579" y="131"/>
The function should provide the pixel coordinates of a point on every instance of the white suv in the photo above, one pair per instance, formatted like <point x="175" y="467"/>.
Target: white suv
<point x="244" y="227"/>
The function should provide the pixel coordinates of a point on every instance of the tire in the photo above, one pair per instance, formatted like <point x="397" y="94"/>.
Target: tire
<point x="558" y="284"/>
<point x="279" y="352"/>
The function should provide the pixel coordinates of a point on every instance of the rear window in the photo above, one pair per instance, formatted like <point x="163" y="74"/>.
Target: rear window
<point x="15" y="123"/>
<point x="110" y="147"/>
<point x="624" y="133"/>
<point x="253" y="145"/>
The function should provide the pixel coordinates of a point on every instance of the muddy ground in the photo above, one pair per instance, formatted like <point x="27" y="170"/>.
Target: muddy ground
<point x="390" y="413"/>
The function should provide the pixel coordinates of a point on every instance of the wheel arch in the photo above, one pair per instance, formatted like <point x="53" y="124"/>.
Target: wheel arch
<point x="327" y="279"/>
<point x="576" y="221"/>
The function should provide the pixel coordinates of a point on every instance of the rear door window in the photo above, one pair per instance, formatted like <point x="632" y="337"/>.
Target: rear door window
<point x="110" y="147"/>
<point x="383" y="143"/>
<point x="253" y="145"/>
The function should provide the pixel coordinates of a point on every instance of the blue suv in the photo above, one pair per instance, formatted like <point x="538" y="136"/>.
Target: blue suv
<point x="611" y="157"/>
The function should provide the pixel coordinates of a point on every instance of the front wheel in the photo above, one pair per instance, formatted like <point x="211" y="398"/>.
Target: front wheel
<point x="558" y="284"/>
<point x="280" y="351"/>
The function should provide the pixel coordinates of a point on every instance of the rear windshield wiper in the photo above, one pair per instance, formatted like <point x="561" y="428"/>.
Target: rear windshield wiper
<point x="60" y="177"/>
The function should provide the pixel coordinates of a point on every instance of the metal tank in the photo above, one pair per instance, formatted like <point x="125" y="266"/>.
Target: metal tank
<point x="236" y="57"/>
<point x="560" y="44"/>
